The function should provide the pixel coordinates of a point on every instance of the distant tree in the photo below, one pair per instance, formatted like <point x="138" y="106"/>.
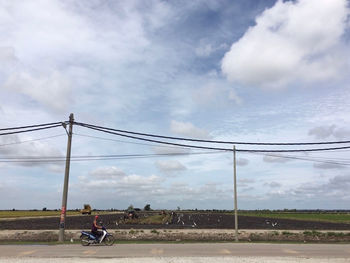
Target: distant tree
<point x="131" y="207"/>
<point x="13" y="209"/>
<point x="44" y="209"/>
<point x="147" y="207"/>
<point x="178" y="208"/>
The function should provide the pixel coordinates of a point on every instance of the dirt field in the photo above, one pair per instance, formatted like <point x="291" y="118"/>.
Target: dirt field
<point x="178" y="221"/>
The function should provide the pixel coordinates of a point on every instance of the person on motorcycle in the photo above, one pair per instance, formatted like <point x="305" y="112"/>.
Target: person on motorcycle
<point x="95" y="227"/>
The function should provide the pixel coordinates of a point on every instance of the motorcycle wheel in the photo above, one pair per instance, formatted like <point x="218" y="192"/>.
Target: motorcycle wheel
<point x="84" y="240"/>
<point x="109" y="240"/>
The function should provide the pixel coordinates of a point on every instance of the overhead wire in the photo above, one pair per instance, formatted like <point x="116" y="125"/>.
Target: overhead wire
<point x="94" y="157"/>
<point x="31" y="130"/>
<point x="209" y="141"/>
<point x="211" y="148"/>
<point x="130" y="142"/>
<point x="156" y="141"/>
<point x="32" y="140"/>
<point x="294" y="150"/>
<point x="32" y="126"/>
<point x="161" y="143"/>
<point x="305" y="159"/>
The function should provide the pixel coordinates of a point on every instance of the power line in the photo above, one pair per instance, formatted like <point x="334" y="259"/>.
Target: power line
<point x="33" y="140"/>
<point x="211" y="148"/>
<point x="31" y="130"/>
<point x="137" y="143"/>
<point x="305" y="159"/>
<point x="295" y="150"/>
<point x="95" y="157"/>
<point x="108" y="155"/>
<point x="78" y="158"/>
<point x="208" y="141"/>
<point x="156" y="141"/>
<point x="31" y="126"/>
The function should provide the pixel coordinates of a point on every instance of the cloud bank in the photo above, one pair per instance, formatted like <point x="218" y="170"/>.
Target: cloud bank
<point x="290" y="42"/>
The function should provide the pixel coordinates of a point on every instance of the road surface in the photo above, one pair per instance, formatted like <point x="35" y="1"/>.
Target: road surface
<point x="197" y="252"/>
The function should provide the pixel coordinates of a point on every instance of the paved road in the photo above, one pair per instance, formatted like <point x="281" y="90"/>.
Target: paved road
<point x="317" y="251"/>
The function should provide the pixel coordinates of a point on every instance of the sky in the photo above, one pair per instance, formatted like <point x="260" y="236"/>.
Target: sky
<point x="243" y="70"/>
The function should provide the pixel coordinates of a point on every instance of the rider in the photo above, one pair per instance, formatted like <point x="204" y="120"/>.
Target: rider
<point x="95" y="227"/>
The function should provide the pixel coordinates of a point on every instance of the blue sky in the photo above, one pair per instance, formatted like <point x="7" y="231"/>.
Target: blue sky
<point x="257" y="71"/>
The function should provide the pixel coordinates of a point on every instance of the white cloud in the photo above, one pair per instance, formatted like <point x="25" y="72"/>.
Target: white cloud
<point x="170" y="166"/>
<point x="141" y="65"/>
<point x="335" y="187"/>
<point x="291" y="41"/>
<point x="214" y="94"/>
<point x="42" y="41"/>
<point x="323" y="132"/>
<point x="112" y="179"/>
<point x="52" y="90"/>
<point x="152" y="189"/>
<point x="188" y="129"/>
<point x="275" y="159"/>
<point x="27" y="152"/>
<point x="57" y="168"/>
<point x="242" y="162"/>
<point x="245" y="183"/>
<point x="206" y="191"/>
<point x="115" y="178"/>
<point x="310" y="194"/>
<point x="30" y="27"/>
<point x="7" y="56"/>
<point x="328" y="166"/>
<point x="111" y="172"/>
<point x="205" y="48"/>
<point x="206" y="94"/>
<point x="273" y="184"/>
<point x="170" y="150"/>
<point x="233" y="96"/>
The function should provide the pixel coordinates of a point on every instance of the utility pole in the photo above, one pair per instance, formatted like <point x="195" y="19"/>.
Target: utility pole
<point x="235" y="192"/>
<point x="66" y="178"/>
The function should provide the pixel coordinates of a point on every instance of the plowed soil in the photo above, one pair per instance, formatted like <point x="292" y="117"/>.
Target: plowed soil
<point x="179" y="221"/>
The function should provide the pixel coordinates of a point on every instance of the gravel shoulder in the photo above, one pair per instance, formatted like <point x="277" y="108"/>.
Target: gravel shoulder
<point x="183" y="235"/>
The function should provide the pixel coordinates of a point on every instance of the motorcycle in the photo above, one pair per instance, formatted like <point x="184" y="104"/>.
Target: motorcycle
<point x="88" y="238"/>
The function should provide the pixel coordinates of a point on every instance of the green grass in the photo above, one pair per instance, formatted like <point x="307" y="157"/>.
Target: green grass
<point x="27" y="213"/>
<point x="322" y="217"/>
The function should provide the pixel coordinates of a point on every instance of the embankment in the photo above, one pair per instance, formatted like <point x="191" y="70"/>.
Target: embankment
<point x="200" y="235"/>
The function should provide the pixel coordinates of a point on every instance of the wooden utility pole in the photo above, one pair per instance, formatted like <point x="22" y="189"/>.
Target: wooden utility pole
<point x="235" y="192"/>
<point x="66" y="179"/>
